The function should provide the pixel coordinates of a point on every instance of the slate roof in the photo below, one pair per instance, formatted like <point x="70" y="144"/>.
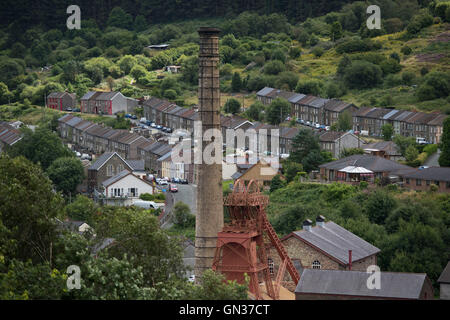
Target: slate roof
<point x="264" y="91"/>
<point x="103" y="159"/>
<point x="336" y="105"/>
<point x="8" y="134"/>
<point x="116" y="178"/>
<point x="88" y="95"/>
<point x="445" y="275"/>
<point x="338" y="282"/>
<point x="296" y="97"/>
<point x="136" y="165"/>
<point x="66" y="117"/>
<point x="431" y="173"/>
<point x="73" y="121"/>
<point x="331" y="136"/>
<point x="335" y="241"/>
<point x="373" y="163"/>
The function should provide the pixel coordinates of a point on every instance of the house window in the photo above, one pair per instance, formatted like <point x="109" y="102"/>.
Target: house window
<point x="119" y="168"/>
<point x="428" y="182"/>
<point x="316" y="264"/>
<point x="418" y="182"/>
<point x="271" y="265"/>
<point x="407" y="180"/>
<point x="447" y="184"/>
<point x="436" y="183"/>
<point x="110" y="170"/>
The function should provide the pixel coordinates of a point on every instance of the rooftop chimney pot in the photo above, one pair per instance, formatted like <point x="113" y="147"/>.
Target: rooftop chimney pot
<point x="320" y="221"/>
<point x="307" y="225"/>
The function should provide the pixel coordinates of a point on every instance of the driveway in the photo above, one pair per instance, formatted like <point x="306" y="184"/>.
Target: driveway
<point x="433" y="160"/>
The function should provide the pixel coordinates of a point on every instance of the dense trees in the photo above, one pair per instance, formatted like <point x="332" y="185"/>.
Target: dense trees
<point x="66" y="173"/>
<point x="278" y="110"/>
<point x="410" y="231"/>
<point x="41" y="146"/>
<point x="232" y="106"/>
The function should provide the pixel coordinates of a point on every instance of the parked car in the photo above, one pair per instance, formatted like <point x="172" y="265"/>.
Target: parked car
<point x="308" y="123"/>
<point x="328" y="128"/>
<point x="128" y="116"/>
<point x="77" y="154"/>
<point x="173" y="188"/>
<point x="159" y="127"/>
<point x="317" y="126"/>
<point x="183" y="181"/>
<point x="76" y="110"/>
<point x="163" y="182"/>
<point x="191" y="278"/>
<point x="153" y="125"/>
<point x="169" y="130"/>
<point x="143" y="120"/>
<point x="69" y="109"/>
<point x="134" y="117"/>
<point x="86" y="156"/>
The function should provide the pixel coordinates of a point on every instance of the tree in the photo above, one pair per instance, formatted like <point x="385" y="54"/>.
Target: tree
<point x="291" y="169"/>
<point x="411" y="153"/>
<point x="140" y="24"/>
<point x="444" y="158"/>
<point x="287" y="79"/>
<point x="126" y="63"/>
<point x="66" y="173"/>
<point x="278" y="110"/>
<point x="120" y="19"/>
<point x="303" y="144"/>
<point x="236" y="82"/>
<point x="183" y="216"/>
<point x="138" y="235"/>
<point x="213" y="286"/>
<point x="274" y="67"/>
<point x="5" y="94"/>
<point x="436" y="84"/>
<point x="336" y="31"/>
<point x="41" y="146"/>
<point x="362" y="74"/>
<point x="313" y="87"/>
<point x="387" y="130"/>
<point x="81" y="209"/>
<point x="379" y="205"/>
<point x="403" y="143"/>
<point x="232" y="106"/>
<point x="276" y="183"/>
<point x="345" y="121"/>
<point x="9" y="69"/>
<point x="254" y="112"/>
<point x="28" y="207"/>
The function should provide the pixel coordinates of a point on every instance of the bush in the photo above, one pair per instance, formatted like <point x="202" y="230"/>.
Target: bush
<point x="274" y="67"/>
<point x="232" y="106"/>
<point x="146" y="197"/>
<point x="362" y="74"/>
<point x="170" y="94"/>
<point x="408" y="77"/>
<point x="313" y="87"/>
<point x="406" y="50"/>
<point x="318" y="52"/>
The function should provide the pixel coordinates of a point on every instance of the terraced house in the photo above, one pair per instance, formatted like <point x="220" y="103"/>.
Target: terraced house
<point x="106" y="103"/>
<point x="97" y="139"/>
<point x="367" y="120"/>
<point x="61" y="100"/>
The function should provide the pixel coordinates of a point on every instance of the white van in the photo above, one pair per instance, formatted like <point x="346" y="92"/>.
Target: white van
<point x="148" y="204"/>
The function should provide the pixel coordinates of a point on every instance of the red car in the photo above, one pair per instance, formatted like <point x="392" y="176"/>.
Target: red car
<point x="173" y="188"/>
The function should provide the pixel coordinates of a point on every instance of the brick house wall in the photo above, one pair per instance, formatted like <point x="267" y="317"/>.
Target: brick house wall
<point x="306" y="255"/>
<point x="425" y="185"/>
<point x="96" y="177"/>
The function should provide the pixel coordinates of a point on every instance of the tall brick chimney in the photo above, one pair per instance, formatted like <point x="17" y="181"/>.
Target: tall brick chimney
<point x="209" y="218"/>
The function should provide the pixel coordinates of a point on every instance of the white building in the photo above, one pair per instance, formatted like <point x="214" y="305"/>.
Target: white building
<point x="126" y="185"/>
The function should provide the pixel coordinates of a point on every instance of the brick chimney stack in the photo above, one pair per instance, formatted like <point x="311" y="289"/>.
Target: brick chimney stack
<point x="209" y="217"/>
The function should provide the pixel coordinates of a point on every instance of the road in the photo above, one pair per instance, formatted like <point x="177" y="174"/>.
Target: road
<point x="187" y="193"/>
<point x="432" y="161"/>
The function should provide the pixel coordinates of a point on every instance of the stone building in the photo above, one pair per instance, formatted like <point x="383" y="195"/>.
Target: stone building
<point x="335" y="142"/>
<point x="324" y="246"/>
<point x="108" y="165"/>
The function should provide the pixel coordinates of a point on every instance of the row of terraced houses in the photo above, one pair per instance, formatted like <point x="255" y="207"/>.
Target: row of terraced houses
<point x="326" y="112"/>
